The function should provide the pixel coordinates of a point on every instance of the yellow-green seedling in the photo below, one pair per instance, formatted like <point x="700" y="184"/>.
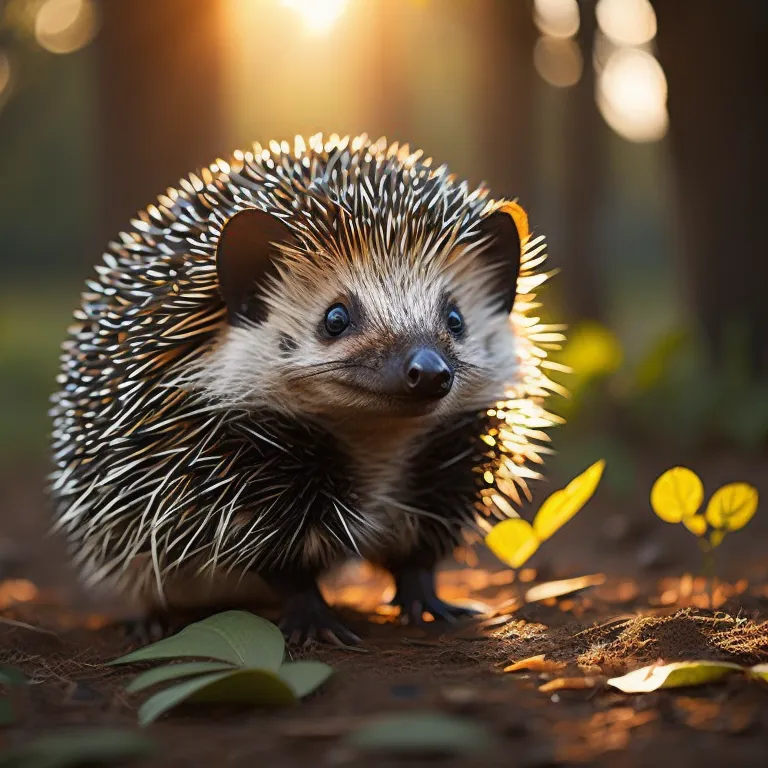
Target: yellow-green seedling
<point x="513" y="541"/>
<point x="245" y="665"/>
<point x="677" y="495"/>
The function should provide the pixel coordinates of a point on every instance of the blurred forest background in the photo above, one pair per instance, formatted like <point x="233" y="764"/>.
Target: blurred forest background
<point x="634" y="132"/>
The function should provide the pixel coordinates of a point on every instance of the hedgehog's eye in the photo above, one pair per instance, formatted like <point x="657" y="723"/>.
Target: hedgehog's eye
<point x="336" y="319"/>
<point x="455" y="321"/>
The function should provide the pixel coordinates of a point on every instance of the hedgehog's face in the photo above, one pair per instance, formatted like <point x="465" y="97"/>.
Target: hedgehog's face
<point x="398" y="339"/>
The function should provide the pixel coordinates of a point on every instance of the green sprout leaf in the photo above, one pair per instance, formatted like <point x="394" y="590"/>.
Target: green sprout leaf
<point x="677" y="495"/>
<point x="732" y="506"/>
<point x="421" y="733"/>
<point x="679" y="674"/>
<point x="68" y="749"/>
<point x="236" y="637"/>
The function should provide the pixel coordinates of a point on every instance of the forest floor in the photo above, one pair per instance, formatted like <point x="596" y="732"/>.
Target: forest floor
<point x="645" y="604"/>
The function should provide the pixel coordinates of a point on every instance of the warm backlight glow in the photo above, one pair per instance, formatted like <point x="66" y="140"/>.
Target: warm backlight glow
<point x="632" y="95"/>
<point x="556" y="18"/>
<point x="5" y="77"/>
<point x="627" y="22"/>
<point x="65" y="26"/>
<point x="558" y="61"/>
<point x="318" y="15"/>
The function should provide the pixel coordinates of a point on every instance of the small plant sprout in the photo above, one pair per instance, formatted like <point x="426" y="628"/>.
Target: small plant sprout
<point x="514" y="541"/>
<point x="677" y="496"/>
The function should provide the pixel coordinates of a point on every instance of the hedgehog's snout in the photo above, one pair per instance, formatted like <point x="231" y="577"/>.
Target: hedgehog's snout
<point x="427" y="374"/>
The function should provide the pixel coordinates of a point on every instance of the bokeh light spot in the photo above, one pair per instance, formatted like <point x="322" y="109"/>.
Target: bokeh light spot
<point x="632" y="95"/>
<point x="558" y="61"/>
<point x="65" y="26"/>
<point x="318" y="15"/>
<point x="627" y="22"/>
<point x="556" y="18"/>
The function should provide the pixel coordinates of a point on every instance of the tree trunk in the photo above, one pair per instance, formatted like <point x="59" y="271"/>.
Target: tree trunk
<point x="160" y="106"/>
<point x="713" y="56"/>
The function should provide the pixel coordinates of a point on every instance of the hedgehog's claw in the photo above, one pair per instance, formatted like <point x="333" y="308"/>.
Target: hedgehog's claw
<point x="307" y="618"/>
<point x="145" y="630"/>
<point x="415" y="595"/>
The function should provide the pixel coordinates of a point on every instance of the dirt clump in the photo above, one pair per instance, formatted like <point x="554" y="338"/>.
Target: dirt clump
<point x="683" y="636"/>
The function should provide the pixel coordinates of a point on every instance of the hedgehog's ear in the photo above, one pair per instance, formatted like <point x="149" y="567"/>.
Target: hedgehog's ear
<point x="244" y="257"/>
<point x="506" y="229"/>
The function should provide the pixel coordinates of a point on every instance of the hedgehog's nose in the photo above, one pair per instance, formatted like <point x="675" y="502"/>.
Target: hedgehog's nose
<point x="427" y="374"/>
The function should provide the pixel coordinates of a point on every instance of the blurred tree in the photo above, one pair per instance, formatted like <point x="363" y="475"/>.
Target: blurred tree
<point x="583" y="176"/>
<point x="714" y="57"/>
<point x="160" y="76"/>
<point x="505" y="97"/>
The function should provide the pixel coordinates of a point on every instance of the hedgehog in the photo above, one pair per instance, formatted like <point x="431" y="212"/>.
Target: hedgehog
<point x="302" y="355"/>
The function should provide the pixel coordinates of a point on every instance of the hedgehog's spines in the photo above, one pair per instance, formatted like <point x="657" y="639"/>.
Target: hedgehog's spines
<point x="131" y="434"/>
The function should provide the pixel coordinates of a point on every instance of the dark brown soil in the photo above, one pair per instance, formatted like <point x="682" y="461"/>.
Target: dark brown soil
<point x="641" y="614"/>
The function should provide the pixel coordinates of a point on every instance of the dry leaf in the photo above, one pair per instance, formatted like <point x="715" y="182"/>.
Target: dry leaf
<point x="676" y="675"/>
<point x="562" y="505"/>
<point x="562" y="587"/>
<point x="535" y="664"/>
<point x="677" y="495"/>
<point x="569" y="684"/>
<point x="732" y="506"/>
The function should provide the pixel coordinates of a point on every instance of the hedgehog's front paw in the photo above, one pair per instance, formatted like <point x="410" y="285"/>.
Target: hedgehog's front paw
<point x="307" y="617"/>
<point x="145" y="630"/>
<point x="415" y="595"/>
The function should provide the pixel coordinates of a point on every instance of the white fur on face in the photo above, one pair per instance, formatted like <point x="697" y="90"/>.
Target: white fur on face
<point x="285" y="363"/>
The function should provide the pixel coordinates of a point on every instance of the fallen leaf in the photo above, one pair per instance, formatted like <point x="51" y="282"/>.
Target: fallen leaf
<point x="535" y="664"/>
<point x="678" y="674"/>
<point x="78" y="747"/>
<point x="421" y="733"/>
<point x="569" y="684"/>
<point x="677" y="494"/>
<point x="759" y="671"/>
<point x="705" y="715"/>
<point x="512" y="541"/>
<point x="562" y="505"/>
<point x="732" y="506"/>
<point x="563" y="587"/>
<point x="237" y="637"/>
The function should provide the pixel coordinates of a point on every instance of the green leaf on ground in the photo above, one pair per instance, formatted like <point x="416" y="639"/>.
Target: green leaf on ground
<point x="678" y="674"/>
<point x="174" y="672"/>
<point x="10" y="675"/>
<point x="760" y="671"/>
<point x="236" y="637"/>
<point x="421" y="733"/>
<point x="249" y="668"/>
<point x="79" y="747"/>
<point x="303" y="677"/>
<point x="257" y="687"/>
